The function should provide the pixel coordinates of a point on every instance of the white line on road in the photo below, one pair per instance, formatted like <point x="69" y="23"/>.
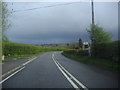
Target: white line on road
<point x="10" y="72"/>
<point x="83" y="86"/>
<point x="30" y="60"/>
<point x="72" y="83"/>
<point x="71" y="76"/>
<point x="11" y="75"/>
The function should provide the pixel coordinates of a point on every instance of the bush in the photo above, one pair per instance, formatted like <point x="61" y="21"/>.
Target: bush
<point x="107" y="50"/>
<point x="78" y="52"/>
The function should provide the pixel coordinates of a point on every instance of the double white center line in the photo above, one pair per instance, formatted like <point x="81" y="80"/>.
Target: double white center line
<point x="69" y="76"/>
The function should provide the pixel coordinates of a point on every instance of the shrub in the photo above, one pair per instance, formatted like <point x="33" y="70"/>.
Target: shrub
<point x="107" y="50"/>
<point x="78" y="52"/>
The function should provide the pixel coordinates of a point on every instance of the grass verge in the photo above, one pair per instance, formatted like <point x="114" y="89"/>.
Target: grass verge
<point x="109" y="65"/>
<point x="1" y="63"/>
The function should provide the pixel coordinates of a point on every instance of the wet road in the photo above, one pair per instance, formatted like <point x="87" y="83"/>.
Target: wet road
<point x="52" y="70"/>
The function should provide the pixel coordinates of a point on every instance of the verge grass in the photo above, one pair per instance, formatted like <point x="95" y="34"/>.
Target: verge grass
<point x="109" y="65"/>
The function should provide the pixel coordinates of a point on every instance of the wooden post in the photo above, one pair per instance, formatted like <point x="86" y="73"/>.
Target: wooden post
<point x="93" y="22"/>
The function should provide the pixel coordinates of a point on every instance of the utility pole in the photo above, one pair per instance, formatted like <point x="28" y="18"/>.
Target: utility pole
<point x="93" y="22"/>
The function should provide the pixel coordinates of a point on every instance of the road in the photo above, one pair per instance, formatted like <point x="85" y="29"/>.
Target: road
<point x="52" y="70"/>
<point x="11" y="64"/>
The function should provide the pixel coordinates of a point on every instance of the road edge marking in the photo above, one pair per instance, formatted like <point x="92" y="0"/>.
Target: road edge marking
<point x="14" y="69"/>
<point x="30" y="60"/>
<point x="11" y="75"/>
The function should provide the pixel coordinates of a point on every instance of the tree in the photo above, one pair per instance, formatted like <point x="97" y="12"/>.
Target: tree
<point x="67" y="44"/>
<point x="80" y="43"/>
<point x="5" y="13"/>
<point x="73" y="45"/>
<point x="98" y="35"/>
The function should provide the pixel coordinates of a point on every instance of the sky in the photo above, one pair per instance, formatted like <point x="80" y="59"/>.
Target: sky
<point x="60" y="24"/>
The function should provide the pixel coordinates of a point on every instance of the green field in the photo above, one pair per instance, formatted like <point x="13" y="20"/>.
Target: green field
<point x="109" y="65"/>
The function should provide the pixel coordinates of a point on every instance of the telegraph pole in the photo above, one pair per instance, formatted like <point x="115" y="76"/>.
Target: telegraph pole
<point x="93" y="22"/>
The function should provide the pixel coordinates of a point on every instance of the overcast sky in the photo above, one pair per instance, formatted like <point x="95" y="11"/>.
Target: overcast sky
<point x="60" y="24"/>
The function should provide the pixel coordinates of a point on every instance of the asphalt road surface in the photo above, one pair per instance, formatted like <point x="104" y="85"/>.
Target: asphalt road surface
<point x="52" y="70"/>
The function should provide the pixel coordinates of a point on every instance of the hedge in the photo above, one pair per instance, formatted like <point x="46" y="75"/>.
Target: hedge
<point x="108" y="51"/>
<point x="14" y="49"/>
<point x="78" y="52"/>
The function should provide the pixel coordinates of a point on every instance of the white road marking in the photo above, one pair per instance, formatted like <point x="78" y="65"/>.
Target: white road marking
<point x="30" y="60"/>
<point x="83" y="86"/>
<point x="10" y="71"/>
<point x="71" y="76"/>
<point x="72" y="83"/>
<point x="11" y="75"/>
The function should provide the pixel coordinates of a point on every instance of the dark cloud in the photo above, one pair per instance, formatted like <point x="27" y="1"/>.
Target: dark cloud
<point x="60" y="24"/>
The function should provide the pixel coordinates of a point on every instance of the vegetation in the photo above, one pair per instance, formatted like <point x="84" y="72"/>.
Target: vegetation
<point x="105" y="55"/>
<point x="110" y="65"/>
<point x="17" y="49"/>
<point x="97" y="36"/>
<point x="108" y="51"/>
<point x="75" y="45"/>
<point x="79" y="52"/>
<point x="80" y="43"/>
<point x="104" y="51"/>
<point x="5" y="22"/>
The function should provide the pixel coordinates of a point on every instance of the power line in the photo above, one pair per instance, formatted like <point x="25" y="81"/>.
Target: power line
<point x="43" y="7"/>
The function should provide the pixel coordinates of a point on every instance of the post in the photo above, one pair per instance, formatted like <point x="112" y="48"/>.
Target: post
<point x="3" y="57"/>
<point x="93" y="22"/>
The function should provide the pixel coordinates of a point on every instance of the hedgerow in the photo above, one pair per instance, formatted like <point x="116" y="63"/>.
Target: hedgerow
<point x="14" y="49"/>
<point x="78" y="52"/>
<point x="108" y="51"/>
